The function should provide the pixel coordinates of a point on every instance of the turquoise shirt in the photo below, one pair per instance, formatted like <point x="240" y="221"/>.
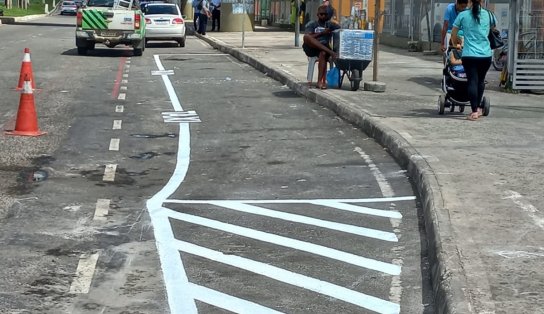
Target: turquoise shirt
<point x="476" y="43"/>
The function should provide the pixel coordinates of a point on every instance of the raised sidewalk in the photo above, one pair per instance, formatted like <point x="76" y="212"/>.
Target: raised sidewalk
<point x="480" y="182"/>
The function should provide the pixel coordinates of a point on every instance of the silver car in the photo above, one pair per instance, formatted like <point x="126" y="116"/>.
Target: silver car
<point x="164" y="22"/>
<point x="69" y="7"/>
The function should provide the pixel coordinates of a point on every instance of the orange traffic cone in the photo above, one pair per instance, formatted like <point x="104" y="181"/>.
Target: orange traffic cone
<point x="27" y="119"/>
<point x="26" y="70"/>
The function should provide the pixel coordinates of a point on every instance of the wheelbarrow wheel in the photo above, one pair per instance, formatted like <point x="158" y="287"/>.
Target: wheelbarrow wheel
<point x="355" y="80"/>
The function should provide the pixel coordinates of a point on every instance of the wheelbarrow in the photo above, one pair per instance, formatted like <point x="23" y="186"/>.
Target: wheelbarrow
<point x="353" y="69"/>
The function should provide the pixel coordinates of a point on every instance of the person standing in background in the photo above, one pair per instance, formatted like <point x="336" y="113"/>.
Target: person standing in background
<point x="196" y="13"/>
<point x="452" y="11"/>
<point x="476" y="58"/>
<point x="204" y="14"/>
<point x="216" y="14"/>
<point x="330" y="10"/>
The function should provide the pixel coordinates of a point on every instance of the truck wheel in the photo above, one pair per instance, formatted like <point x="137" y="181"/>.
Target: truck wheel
<point x="82" y="51"/>
<point x="137" y="52"/>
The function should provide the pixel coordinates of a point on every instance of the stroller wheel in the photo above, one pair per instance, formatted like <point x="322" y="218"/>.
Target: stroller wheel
<point x="441" y="104"/>
<point x="452" y="107"/>
<point x="487" y="106"/>
<point x="461" y="108"/>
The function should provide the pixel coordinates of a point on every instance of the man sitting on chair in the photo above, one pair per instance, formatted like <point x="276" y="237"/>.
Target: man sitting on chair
<point x="317" y="38"/>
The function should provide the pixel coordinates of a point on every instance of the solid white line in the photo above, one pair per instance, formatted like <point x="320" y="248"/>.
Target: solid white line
<point x="228" y="302"/>
<point x="84" y="273"/>
<point x="387" y="190"/>
<point x="195" y="54"/>
<point x="290" y="243"/>
<point x="365" y="232"/>
<point x="119" y="108"/>
<point x="102" y="209"/>
<point x="361" y="209"/>
<point x="178" y="291"/>
<point x="117" y="124"/>
<point x="122" y="96"/>
<point x="304" y="201"/>
<point x="114" y="144"/>
<point x="109" y="173"/>
<point x="295" y="279"/>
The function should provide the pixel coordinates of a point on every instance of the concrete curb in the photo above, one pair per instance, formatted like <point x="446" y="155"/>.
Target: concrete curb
<point x="11" y="20"/>
<point x="448" y="277"/>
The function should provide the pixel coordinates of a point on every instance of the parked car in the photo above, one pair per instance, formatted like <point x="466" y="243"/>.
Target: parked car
<point x="164" y="22"/>
<point x="69" y="7"/>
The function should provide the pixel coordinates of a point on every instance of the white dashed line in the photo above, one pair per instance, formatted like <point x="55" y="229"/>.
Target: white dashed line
<point x="114" y="144"/>
<point x="123" y="88"/>
<point x="124" y="81"/>
<point x="122" y="96"/>
<point x="125" y="75"/>
<point x="119" y="108"/>
<point x="102" y="209"/>
<point x="117" y="124"/>
<point x="84" y="273"/>
<point x="109" y="173"/>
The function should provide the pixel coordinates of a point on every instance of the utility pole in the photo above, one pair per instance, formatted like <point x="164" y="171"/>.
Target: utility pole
<point x="297" y="25"/>
<point x="377" y="14"/>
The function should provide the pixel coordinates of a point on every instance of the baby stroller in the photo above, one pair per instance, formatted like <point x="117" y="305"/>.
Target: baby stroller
<point x="454" y="85"/>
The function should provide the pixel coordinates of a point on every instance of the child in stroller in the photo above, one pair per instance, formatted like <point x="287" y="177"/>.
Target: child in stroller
<point x="454" y="81"/>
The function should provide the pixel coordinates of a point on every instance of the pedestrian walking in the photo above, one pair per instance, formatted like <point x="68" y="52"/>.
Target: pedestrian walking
<point x="450" y="15"/>
<point x="196" y="14"/>
<point x="204" y="14"/>
<point x="216" y="14"/>
<point x="476" y="57"/>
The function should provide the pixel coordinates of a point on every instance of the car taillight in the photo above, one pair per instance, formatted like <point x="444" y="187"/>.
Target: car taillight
<point x="147" y="21"/>
<point x="136" y="20"/>
<point x="79" y="19"/>
<point x="177" y="20"/>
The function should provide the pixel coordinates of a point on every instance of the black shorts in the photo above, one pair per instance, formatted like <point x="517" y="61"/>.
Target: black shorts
<point x="311" y="51"/>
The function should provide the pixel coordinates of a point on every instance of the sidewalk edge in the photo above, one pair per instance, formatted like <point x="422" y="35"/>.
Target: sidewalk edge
<point x="448" y="277"/>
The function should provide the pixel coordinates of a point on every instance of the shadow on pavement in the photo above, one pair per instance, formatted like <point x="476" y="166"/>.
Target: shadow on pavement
<point x="103" y="53"/>
<point x="44" y="24"/>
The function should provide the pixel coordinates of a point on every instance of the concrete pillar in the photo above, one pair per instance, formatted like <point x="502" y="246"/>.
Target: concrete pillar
<point x="233" y="22"/>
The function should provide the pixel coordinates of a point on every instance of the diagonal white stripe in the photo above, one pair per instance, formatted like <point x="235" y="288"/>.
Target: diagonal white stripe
<point x="290" y="243"/>
<point x="365" y="232"/>
<point x="291" y="201"/>
<point x="228" y="302"/>
<point x="360" y="299"/>
<point x="360" y="209"/>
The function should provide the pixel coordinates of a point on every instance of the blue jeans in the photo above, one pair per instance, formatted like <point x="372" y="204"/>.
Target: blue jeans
<point x="202" y="24"/>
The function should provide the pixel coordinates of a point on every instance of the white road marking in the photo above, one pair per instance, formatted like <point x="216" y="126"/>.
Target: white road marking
<point x="179" y="295"/>
<point x="114" y="144"/>
<point x="84" y="273"/>
<point x="124" y="81"/>
<point x="180" y="117"/>
<point x="128" y="62"/>
<point x="360" y="209"/>
<point x="276" y="201"/>
<point x="276" y="273"/>
<point x="109" y="173"/>
<point x="519" y="254"/>
<point x="527" y="207"/>
<point x="386" y="189"/>
<point x="123" y="88"/>
<point x="162" y="72"/>
<point x="365" y="232"/>
<point x="290" y="243"/>
<point x="228" y="302"/>
<point x="119" y="108"/>
<point x="102" y="209"/>
<point x="122" y="96"/>
<point x="125" y="75"/>
<point x="127" y="70"/>
<point x="127" y="65"/>
<point x="117" y="124"/>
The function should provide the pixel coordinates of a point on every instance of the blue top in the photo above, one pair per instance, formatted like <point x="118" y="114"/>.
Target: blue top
<point x="476" y="43"/>
<point x="450" y="15"/>
<point x="319" y="27"/>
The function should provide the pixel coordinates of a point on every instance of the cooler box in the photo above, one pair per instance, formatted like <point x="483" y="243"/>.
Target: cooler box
<point x="354" y="44"/>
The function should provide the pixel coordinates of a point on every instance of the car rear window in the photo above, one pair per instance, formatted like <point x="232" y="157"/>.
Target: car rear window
<point x="161" y="9"/>
<point x="68" y="3"/>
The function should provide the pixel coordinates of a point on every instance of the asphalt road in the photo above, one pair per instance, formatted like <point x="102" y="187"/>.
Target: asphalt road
<point x="258" y="201"/>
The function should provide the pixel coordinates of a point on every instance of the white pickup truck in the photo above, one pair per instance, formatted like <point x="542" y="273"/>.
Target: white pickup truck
<point x="110" y="23"/>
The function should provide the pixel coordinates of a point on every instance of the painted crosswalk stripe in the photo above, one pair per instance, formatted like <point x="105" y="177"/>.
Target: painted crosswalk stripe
<point x="102" y="209"/>
<point x="290" y="243"/>
<point x="326" y="288"/>
<point x="365" y="232"/>
<point x="117" y="124"/>
<point x="114" y="144"/>
<point x="84" y="273"/>
<point x="227" y="302"/>
<point x="360" y="209"/>
<point x="109" y="173"/>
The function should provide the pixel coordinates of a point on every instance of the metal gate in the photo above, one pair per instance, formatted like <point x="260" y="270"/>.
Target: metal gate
<point x="528" y="59"/>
